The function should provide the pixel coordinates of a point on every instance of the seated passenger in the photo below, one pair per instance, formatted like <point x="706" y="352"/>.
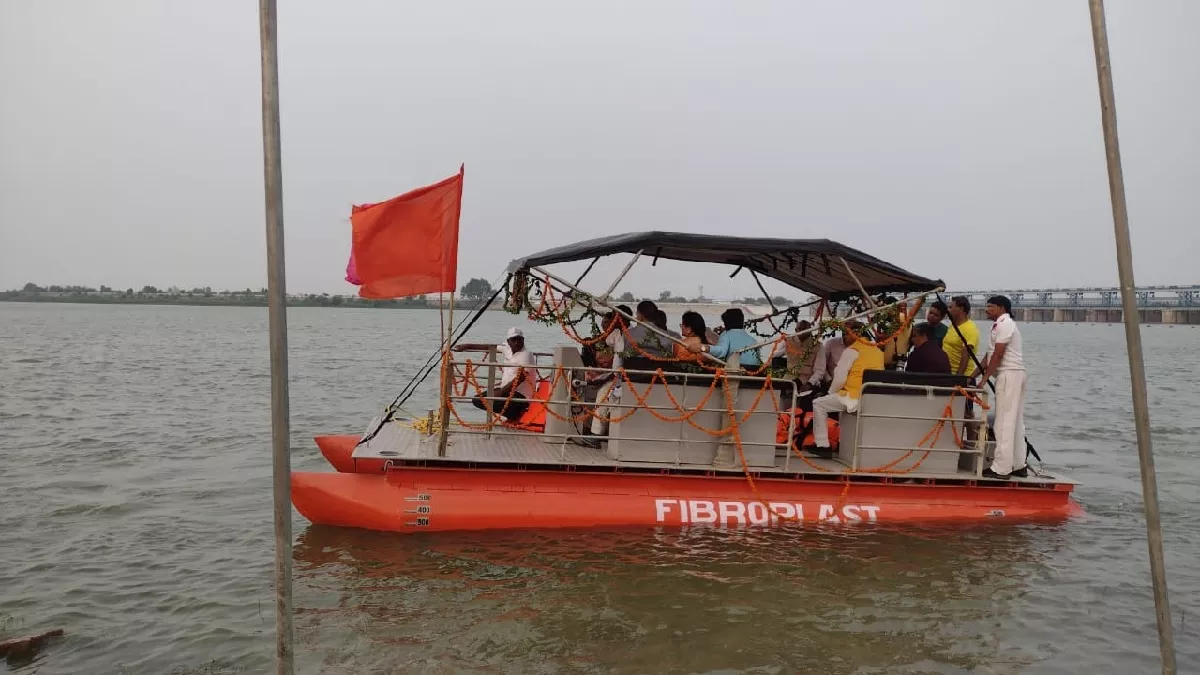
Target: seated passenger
<point x="798" y="354"/>
<point x="733" y="338"/>
<point x="857" y="358"/>
<point x="828" y="354"/>
<point x="695" y="334"/>
<point x="800" y="351"/>
<point x="649" y="343"/>
<point x="516" y="383"/>
<point x="927" y="356"/>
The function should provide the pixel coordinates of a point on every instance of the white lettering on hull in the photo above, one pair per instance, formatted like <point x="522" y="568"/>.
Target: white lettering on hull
<point x="719" y="512"/>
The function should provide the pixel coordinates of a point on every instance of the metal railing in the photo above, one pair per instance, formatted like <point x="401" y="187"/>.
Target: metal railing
<point x="978" y="425"/>
<point x="574" y="377"/>
<point x="570" y="400"/>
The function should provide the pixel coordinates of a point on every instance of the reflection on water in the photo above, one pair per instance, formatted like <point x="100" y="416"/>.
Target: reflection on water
<point x="699" y="600"/>
<point x="135" y="504"/>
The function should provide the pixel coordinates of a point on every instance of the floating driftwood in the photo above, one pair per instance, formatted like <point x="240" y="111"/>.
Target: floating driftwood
<point x="25" y="646"/>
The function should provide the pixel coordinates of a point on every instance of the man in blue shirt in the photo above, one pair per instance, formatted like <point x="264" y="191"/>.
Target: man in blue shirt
<point x="733" y="338"/>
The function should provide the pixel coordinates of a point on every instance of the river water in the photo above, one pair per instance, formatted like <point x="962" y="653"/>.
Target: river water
<point x="135" y="509"/>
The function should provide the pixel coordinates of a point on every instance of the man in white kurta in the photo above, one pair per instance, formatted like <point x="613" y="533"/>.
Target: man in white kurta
<point x="829" y="355"/>
<point x="1006" y="361"/>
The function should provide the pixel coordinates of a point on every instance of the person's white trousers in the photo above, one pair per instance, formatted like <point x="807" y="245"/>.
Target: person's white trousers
<point x="609" y="393"/>
<point x="1010" y="422"/>
<point x="821" y="409"/>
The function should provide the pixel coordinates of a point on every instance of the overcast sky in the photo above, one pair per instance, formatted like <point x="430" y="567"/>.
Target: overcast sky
<point x="960" y="140"/>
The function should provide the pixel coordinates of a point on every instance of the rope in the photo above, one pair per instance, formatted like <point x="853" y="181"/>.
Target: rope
<point x="431" y="364"/>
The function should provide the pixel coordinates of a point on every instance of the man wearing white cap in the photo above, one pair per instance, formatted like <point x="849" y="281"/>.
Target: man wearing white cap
<point x="517" y="379"/>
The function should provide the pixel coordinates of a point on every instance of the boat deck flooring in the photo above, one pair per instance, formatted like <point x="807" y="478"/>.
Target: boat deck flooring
<point x="503" y="447"/>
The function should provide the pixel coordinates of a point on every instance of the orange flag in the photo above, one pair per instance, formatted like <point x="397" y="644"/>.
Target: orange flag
<point x="408" y="245"/>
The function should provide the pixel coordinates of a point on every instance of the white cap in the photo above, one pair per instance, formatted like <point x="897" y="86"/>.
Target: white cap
<point x="514" y="333"/>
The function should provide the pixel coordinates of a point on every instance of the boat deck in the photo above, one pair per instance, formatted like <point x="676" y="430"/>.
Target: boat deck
<point x="506" y="448"/>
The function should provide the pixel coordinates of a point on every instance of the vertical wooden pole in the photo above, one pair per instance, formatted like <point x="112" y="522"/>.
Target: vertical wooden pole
<point x="491" y="385"/>
<point x="1133" y="336"/>
<point x="277" y="321"/>
<point x="447" y="375"/>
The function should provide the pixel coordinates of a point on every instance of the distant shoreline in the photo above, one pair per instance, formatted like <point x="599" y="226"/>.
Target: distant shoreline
<point x="253" y="300"/>
<point x="259" y="299"/>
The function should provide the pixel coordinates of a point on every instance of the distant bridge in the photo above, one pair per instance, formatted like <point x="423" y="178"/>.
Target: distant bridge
<point x="1156" y="304"/>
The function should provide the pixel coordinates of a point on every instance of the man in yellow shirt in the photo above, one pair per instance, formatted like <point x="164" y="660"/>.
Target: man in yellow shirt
<point x="961" y="362"/>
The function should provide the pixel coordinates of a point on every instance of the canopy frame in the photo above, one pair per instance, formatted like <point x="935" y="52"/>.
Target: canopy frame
<point x="803" y="264"/>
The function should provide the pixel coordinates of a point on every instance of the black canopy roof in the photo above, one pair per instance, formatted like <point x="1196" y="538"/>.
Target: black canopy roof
<point x="810" y="265"/>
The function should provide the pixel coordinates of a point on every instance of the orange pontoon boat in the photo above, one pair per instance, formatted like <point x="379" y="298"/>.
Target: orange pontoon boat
<point x="703" y="442"/>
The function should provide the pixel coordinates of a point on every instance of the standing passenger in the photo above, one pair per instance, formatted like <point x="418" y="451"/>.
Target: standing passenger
<point x="935" y="317"/>
<point x="961" y="361"/>
<point x="1008" y="365"/>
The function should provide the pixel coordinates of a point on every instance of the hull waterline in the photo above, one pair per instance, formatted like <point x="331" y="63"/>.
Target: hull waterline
<point x="420" y="499"/>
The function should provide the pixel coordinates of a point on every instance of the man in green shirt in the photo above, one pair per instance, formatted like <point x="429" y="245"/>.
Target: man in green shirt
<point x="936" y="317"/>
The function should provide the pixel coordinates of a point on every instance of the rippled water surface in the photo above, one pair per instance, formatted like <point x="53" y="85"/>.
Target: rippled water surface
<point x="135" y="509"/>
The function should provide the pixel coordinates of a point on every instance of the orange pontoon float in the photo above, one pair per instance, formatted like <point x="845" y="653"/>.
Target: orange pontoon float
<point x="690" y="442"/>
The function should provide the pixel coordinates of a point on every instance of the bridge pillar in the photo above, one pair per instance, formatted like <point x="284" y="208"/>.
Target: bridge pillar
<point x="1093" y="316"/>
<point x="1060" y="315"/>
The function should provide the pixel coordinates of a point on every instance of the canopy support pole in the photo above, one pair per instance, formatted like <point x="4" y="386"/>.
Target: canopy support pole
<point x="281" y="469"/>
<point x="1133" y="337"/>
<point x="866" y="296"/>
<point x="587" y="270"/>
<point x="763" y="289"/>
<point x="620" y="277"/>
<point x="447" y="374"/>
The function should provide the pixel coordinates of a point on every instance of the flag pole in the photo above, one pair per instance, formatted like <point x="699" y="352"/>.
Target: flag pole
<point x="447" y="372"/>
<point x="277" y="323"/>
<point x="1133" y="336"/>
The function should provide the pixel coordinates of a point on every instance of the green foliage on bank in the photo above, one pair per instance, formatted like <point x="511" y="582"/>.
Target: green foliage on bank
<point x="150" y="295"/>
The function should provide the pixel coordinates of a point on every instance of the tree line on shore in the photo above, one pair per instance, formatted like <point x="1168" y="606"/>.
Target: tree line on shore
<point x="472" y="294"/>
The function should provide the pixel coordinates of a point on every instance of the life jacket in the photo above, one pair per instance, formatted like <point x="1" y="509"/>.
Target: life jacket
<point x="804" y="422"/>
<point x="870" y="357"/>
<point x="534" y="417"/>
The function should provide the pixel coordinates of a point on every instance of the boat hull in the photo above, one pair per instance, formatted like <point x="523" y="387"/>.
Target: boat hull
<point x="432" y="499"/>
<point x="338" y="450"/>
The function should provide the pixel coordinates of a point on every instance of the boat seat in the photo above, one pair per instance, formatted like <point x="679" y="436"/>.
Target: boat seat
<point x="896" y="412"/>
<point x="534" y="417"/>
